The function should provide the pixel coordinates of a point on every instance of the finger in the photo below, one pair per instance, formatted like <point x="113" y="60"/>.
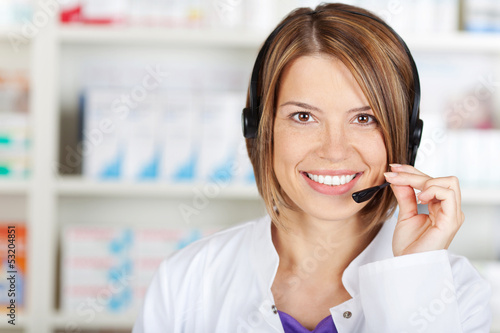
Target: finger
<point x="451" y="183"/>
<point x="406" y="201"/>
<point x="416" y="181"/>
<point x="447" y="199"/>
<point x="423" y="183"/>
<point x="406" y="168"/>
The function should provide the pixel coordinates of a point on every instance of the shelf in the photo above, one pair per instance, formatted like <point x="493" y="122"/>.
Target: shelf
<point x="451" y="42"/>
<point x="21" y="320"/>
<point x="14" y="186"/>
<point x="77" y="186"/>
<point x="120" y="322"/>
<point x="74" y="186"/>
<point x="484" y="196"/>
<point x="5" y="31"/>
<point x="459" y="41"/>
<point x="79" y="34"/>
<point x="97" y="321"/>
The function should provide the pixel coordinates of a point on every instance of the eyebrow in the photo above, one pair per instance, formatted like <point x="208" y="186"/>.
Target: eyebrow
<point x="313" y="108"/>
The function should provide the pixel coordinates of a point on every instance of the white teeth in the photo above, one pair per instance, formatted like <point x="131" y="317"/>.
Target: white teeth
<point x="331" y="180"/>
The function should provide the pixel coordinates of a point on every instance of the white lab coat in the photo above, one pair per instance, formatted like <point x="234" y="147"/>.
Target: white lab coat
<point x="223" y="284"/>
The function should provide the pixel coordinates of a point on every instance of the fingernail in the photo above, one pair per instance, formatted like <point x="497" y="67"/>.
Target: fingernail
<point x="395" y="165"/>
<point x="390" y="174"/>
<point x="418" y="199"/>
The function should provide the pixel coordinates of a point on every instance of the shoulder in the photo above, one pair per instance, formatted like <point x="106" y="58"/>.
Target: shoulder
<point x="230" y="244"/>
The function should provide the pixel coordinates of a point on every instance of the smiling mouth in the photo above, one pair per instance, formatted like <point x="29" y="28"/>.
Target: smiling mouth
<point x="331" y="180"/>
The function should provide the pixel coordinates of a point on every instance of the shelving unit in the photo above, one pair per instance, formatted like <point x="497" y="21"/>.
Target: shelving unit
<point x="74" y="186"/>
<point x="13" y="186"/>
<point x="454" y="42"/>
<point x="51" y="197"/>
<point x="149" y="36"/>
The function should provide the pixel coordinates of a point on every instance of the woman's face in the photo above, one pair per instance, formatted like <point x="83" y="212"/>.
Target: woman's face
<point x="325" y="129"/>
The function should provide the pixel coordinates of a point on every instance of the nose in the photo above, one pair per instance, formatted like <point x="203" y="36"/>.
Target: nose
<point x="334" y="143"/>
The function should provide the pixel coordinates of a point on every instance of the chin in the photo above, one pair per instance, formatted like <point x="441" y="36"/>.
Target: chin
<point x="329" y="211"/>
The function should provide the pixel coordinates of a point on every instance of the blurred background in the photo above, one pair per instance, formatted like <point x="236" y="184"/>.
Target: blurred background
<point x="120" y="139"/>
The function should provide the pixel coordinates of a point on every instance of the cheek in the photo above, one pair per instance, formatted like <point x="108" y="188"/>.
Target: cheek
<point x="288" y="149"/>
<point x="374" y="150"/>
<point x="282" y="149"/>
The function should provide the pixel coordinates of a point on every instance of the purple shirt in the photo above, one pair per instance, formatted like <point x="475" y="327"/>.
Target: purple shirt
<point x="291" y="325"/>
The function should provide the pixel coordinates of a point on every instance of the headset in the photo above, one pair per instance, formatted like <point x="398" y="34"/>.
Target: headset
<point x="250" y="116"/>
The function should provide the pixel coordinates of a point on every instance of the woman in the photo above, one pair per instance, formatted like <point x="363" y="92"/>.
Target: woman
<point x="335" y="92"/>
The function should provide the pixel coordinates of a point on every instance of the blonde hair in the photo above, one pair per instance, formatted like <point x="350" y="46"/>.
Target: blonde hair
<point x="378" y="62"/>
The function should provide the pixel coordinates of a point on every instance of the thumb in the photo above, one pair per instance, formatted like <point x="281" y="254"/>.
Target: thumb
<point x="405" y="195"/>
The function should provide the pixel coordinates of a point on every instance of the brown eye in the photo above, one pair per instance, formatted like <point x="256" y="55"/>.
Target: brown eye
<point x="363" y="119"/>
<point x="304" y="117"/>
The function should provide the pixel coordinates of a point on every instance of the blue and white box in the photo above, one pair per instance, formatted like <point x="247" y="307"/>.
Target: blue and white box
<point x="220" y="125"/>
<point x="177" y="137"/>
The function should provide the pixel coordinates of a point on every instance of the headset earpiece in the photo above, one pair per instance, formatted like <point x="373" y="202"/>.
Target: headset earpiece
<point x="249" y="123"/>
<point x="415" y="141"/>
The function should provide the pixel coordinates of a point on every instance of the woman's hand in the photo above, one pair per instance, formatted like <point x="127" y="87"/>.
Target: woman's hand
<point x="420" y="232"/>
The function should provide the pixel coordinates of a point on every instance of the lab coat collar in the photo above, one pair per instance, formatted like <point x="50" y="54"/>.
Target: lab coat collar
<point x="266" y="259"/>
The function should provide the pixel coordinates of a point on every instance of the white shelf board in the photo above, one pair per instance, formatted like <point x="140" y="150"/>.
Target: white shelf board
<point x="80" y="34"/>
<point x="60" y="320"/>
<point x="21" y="319"/>
<point x="484" y="196"/>
<point x="14" y="186"/>
<point x="457" y="41"/>
<point x="77" y="186"/>
<point x="125" y="322"/>
<point x="5" y="32"/>
<point x="452" y="42"/>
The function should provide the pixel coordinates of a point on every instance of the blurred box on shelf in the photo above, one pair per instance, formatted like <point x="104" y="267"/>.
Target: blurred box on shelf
<point x="15" y="134"/>
<point x="178" y="136"/>
<point x="14" y="145"/>
<point x="14" y="91"/>
<point x="15" y="12"/>
<point x="459" y="109"/>
<point x="113" y="266"/>
<point x="459" y="88"/>
<point x="168" y="13"/>
<point x="104" y="12"/>
<point x="409" y="17"/>
<point x="466" y="154"/>
<point x="12" y="261"/>
<point x="186" y="129"/>
<point x="219" y="127"/>
<point x="248" y="14"/>
<point x="94" y="12"/>
<point x="481" y="15"/>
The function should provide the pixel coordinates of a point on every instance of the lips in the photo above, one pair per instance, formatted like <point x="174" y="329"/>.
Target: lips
<point x="332" y="182"/>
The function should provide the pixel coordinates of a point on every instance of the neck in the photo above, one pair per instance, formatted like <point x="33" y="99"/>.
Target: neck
<point x="318" y="250"/>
